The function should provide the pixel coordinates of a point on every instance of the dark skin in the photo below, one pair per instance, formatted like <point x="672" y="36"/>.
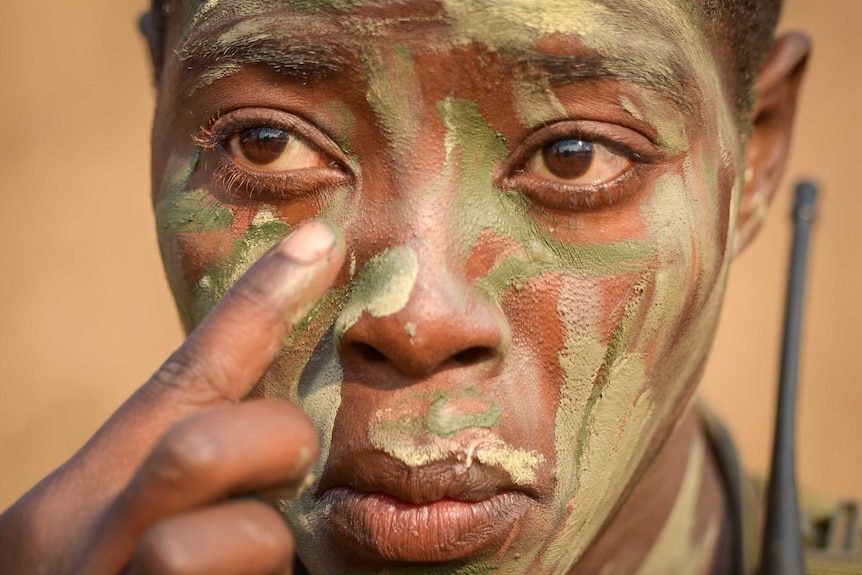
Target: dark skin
<point x="154" y="490"/>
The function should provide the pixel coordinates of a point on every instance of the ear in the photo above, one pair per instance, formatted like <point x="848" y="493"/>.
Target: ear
<point x="776" y="91"/>
<point x="154" y="35"/>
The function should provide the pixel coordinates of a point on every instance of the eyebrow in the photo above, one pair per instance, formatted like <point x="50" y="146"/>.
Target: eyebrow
<point x="665" y="78"/>
<point x="210" y="54"/>
<point x="213" y="52"/>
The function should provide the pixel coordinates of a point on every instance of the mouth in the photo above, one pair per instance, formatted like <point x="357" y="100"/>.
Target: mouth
<point x="443" y="511"/>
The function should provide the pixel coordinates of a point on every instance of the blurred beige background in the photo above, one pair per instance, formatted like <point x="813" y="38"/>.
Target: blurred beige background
<point x="85" y="314"/>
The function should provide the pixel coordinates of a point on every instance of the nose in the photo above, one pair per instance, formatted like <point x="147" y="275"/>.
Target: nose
<point x="417" y="316"/>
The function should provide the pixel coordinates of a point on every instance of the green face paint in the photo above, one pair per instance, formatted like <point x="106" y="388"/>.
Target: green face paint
<point x="175" y="179"/>
<point x="382" y="287"/>
<point x="191" y="212"/>
<point x="263" y="233"/>
<point x="416" y="443"/>
<point x="446" y="417"/>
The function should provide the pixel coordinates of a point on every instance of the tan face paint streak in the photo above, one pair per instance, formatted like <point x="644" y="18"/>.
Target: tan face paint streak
<point x="580" y="360"/>
<point x="668" y="121"/>
<point x="405" y="438"/>
<point x="667" y="213"/>
<point x="392" y="89"/>
<point x="678" y="550"/>
<point x="536" y="102"/>
<point x="453" y="422"/>
<point x="629" y="107"/>
<point x="670" y="214"/>
<point x="600" y="426"/>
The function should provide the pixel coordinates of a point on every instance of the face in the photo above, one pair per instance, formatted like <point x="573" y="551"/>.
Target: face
<point x="536" y="199"/>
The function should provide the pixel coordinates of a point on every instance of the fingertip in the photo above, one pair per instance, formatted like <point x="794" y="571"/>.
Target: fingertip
<point x="310" y="243"/>
<point x="304" y="437"/>
<point x="303" y="433"/>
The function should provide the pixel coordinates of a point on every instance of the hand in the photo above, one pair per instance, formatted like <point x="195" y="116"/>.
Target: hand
<point x="151" y="491"/>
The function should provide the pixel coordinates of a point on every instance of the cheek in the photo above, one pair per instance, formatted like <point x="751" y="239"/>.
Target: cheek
<point x="626" y="350"/>
<point x="202" y="264"/>
<point x="209" y="234"/>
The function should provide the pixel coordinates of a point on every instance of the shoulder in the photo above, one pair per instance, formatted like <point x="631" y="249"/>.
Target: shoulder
<point x="832" y="530"/>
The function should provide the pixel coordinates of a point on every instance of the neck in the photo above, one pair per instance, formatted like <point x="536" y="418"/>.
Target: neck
<point x="676" y="519"/>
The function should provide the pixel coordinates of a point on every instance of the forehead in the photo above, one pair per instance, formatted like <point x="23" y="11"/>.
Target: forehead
<point x="657" y="43"/>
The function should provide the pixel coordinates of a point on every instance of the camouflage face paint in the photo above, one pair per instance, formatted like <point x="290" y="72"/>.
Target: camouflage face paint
<point x="667" y="553"/>
<point x="607" y="313"/>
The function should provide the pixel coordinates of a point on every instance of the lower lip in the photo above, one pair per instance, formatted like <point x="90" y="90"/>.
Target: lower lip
<point x="446" y="530"/>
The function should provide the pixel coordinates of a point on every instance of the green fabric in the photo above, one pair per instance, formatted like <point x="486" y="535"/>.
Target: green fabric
<point x="824" y="549"/>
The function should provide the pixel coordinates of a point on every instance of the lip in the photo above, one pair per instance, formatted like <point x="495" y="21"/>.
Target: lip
<point x="442" y="511"/>
<point x="382" y="526"/>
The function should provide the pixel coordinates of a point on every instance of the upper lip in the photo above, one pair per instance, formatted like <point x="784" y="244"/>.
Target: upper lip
<point x="457" y="477"/>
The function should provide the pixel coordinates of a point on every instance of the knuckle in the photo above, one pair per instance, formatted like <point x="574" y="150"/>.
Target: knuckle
<point x="185" y="454"/>
<point x="184" y="373"/>
<point x="174" y="371"/>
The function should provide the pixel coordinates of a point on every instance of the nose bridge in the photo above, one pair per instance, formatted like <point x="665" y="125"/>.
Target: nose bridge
<point x="410" y="310"/>
<point x="411" y="305"/>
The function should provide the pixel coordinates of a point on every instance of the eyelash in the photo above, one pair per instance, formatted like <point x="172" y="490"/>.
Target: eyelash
<point x="557" y="196"/>
<point x="242" y="183"/>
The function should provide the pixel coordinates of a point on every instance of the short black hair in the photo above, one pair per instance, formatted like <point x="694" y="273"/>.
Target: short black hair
<point x="748" y="25"/>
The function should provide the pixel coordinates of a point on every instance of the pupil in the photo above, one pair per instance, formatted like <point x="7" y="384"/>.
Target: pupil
<point x="568" y="158"/>
<point x="263" y="145"/>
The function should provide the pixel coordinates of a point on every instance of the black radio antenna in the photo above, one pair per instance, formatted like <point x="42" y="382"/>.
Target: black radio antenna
<point x="782" y="543"/>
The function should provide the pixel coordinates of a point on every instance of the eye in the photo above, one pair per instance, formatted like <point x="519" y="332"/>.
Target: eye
<point x="580" y="165"/>
<point x="577" y="162"/>
<point x="267" y="154"/>
<point x="274" y="150"/>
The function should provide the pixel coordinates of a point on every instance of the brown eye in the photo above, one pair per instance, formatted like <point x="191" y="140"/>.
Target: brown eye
<point x="263" y="145"/>
<point x="568" y="159"/>
<point x="274" y="150"/>
<point x="577" y="162"/>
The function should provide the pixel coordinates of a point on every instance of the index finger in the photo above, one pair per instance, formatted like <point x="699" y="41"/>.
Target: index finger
<point x="228" y="353"/>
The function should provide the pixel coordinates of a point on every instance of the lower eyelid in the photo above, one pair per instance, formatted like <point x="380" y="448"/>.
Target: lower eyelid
<point x="562" y="197"/>
<point x="240" y="184"/>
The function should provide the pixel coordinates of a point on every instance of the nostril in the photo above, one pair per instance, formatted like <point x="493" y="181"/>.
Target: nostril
<point x="472" y="355"/>
<point x="369" y="352"/>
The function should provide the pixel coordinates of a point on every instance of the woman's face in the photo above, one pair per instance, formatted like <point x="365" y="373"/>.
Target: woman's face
<point x="537" y="200"/>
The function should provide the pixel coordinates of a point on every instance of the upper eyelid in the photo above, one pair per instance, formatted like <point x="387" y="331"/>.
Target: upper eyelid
<point x="618" y="139"/>
<point x="243" y="183"/>
<point x="640" y="149"/>
<point x="215" y="134"/>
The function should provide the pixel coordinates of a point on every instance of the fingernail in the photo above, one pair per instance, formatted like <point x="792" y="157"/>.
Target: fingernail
<point x="309" y="243"/>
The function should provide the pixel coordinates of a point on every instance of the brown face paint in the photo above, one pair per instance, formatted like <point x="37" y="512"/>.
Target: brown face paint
<point x="605" y="314"/>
